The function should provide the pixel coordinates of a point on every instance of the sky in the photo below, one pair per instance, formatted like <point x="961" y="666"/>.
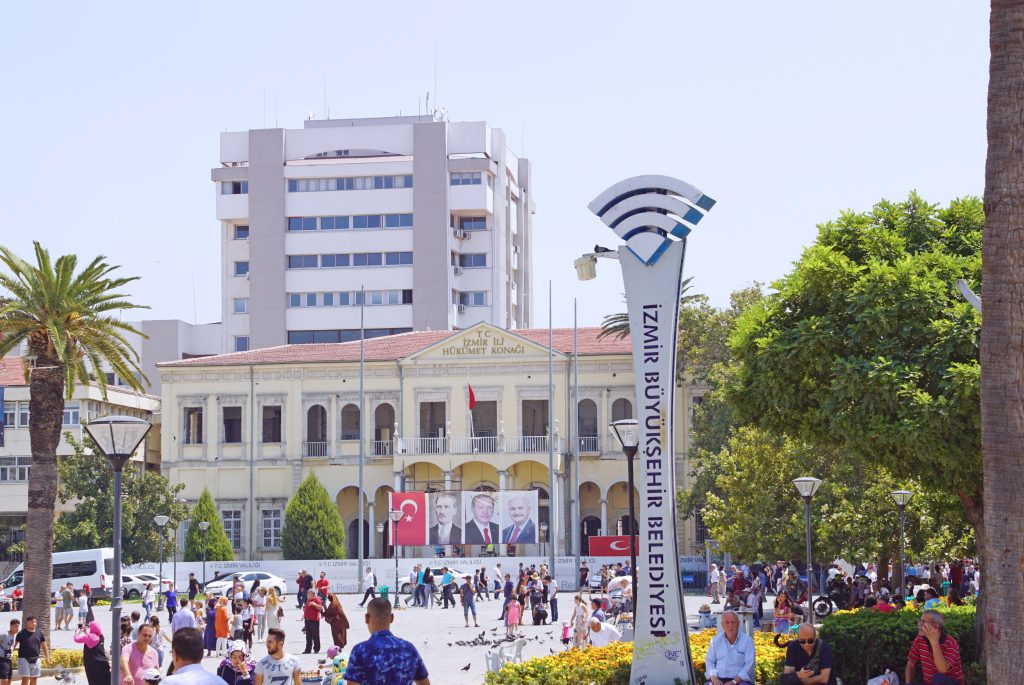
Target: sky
<point x="785" y="113"/>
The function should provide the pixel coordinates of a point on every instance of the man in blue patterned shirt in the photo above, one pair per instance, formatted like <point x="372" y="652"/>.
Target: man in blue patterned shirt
<point x="384" y="659"/>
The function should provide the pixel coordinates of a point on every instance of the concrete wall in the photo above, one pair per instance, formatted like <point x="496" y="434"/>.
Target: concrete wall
<point x="431" y="307"/>
<point x="266" y="239"/>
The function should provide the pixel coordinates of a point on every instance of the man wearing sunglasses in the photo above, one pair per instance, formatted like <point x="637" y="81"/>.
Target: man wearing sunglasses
<point x="808" y="660"/>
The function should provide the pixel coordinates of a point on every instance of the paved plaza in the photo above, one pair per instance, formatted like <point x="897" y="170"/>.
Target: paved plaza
<point x="435" y="633"/>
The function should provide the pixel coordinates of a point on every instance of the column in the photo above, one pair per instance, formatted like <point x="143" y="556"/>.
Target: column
<point x="447" y="480"/>
<point x="604" y="516"/>
<point x="333" y="430"/>
<point x="502" y="475"/>
<point x="373" y="531"/>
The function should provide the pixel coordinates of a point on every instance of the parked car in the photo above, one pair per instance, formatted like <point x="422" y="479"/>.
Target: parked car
<point x="133" y="585"/>
<point x="221" y="585"/>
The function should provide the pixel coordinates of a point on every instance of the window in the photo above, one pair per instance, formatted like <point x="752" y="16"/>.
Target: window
<point x="310" y="185"/>
<point x="241" y="268"/>
<point x="366" y="221"/>
<point x="466" y="178"/>
<point x="232" y="424"/>
<point x="332" y="261"/>
<point x="366" y="259"/>
<point x="350" y="422"/>
<point x="473" y="261"/>
<point x="302" y="261"/>
<point x="70" y="414"/>
<point x="476" y="298"/>
<point x="406" y="297"/>
<point x="302" y="223"/>
<point x="271" y="528"/>
<point x="310" y="299"/>
<point x="74" y="569"/>
<point x="15" y="469"/>
<point x="398" y="221"/>
<point x="234" y="187"/>
<point x="272" y="424"/>
<point x="473" y="223"/>
<point x="398" y="258"/>
<point x="231" y="519"/>
<point x="193" y="425"/>
<point x="240" y="305"/>
<point x="10" y="412"/>
<point x="333" y="223"/>
<point x="23" y="414"/>
<point x="241" y="232"/>
<point x="241" y="343"/>
<point x="343" y="335"/>
<point x="328" y="299"/>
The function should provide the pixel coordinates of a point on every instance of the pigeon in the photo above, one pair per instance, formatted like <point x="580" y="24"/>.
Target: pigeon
<point x="466" y="667"/>
<point x="551" y="650"/>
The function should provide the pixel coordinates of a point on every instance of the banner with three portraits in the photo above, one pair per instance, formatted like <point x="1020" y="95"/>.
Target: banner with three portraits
<point x="473" y="518"/>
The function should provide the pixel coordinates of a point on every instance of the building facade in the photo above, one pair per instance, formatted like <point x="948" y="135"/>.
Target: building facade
<point x="87" y="403"/>
<point x="431" y="219"/>
<point x="270" y="417"/>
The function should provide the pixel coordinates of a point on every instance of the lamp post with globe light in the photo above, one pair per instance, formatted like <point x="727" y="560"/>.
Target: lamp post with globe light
<point x="396" y="516"/>
<point x="117" y="437"/>
<point x="627" y="432"/>
<point x="204" y="526"/>
<point x="807" y="486"/>
<point x="902" y="499"/>
<point x="160" y="520"/>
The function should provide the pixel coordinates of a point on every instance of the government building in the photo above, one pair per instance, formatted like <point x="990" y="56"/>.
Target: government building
<point x="270" y="417"/>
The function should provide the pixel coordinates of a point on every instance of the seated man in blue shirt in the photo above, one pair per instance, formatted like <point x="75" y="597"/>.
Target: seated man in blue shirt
<point x="384" y="659"/>
<point x="730" y="658"/>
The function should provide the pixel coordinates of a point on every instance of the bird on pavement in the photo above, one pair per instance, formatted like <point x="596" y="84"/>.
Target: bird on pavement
<point x="465" y="668"/>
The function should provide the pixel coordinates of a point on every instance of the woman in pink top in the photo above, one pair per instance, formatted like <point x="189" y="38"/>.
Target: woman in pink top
<point x="94" y="656"/>
<point x="139" y="658"/>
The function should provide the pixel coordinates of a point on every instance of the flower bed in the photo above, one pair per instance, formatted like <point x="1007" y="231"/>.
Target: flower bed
<point x="68" y="658"/>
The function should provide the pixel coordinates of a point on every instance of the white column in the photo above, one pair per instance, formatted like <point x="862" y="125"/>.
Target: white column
<point x="502" y="475"/>
<point x="398" y="482"/>
<point x="447" y="480"/>
<point x="604" y="517"/>
<point x="373" y="531"/>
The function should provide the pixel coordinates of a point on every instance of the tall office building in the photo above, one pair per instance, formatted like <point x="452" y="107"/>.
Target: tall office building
<point x="431" y="218"/>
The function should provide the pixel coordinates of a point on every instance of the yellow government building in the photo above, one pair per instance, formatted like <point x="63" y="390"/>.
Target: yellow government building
<point x="272" y="416"/>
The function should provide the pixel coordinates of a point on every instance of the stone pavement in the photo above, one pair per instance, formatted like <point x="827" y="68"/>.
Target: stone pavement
<point x="433" y="631"/>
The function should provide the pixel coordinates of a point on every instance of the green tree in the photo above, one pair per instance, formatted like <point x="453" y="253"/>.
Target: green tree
<point x="867" y="347"/>
<point x="617" y="324"/>
<point x="71" y="324"/>
<point x="87" y="480"/>
<point x="218" y="547"/>
<point x="313" y="528"/>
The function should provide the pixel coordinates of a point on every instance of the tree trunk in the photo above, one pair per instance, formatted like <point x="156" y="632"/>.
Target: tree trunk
<point x="1002" y="350"/>
<point x="46" y="406"/>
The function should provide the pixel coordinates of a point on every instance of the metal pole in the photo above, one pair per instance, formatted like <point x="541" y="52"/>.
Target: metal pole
<point x="115" y="601"/>
<point x="362" y="422"/>
<point x="903" y="566"/>
<point x="577" y="532"/>
<point x="204" y="561"/>
<point x="810" y="598"/>
<point x="394" y="552"/>
<point x="252" y="458"/>
<point x="630" y="454"/>
<point x="160" y="573"/>
<point x="552" y="504"/>
<point x="174" y="578"/>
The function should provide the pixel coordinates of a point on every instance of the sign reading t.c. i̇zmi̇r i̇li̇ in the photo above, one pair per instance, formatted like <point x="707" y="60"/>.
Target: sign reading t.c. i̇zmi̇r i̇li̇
<point x="653" y="214"/>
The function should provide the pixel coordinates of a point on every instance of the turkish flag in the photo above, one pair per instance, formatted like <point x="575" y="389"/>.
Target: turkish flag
<point x="412" y="528"/>
<point x="610" y="545"/>
<point x="472" y="398"/>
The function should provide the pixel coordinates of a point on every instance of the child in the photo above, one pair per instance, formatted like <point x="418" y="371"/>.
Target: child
<point x="512" y="616"/>
<point x="566" y="634"/>
<point x="237" y="632"/>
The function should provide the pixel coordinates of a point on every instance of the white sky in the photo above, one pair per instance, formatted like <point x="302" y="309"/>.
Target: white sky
<point x="785" y="113"/>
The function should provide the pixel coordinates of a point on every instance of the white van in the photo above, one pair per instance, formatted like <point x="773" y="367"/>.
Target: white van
<point x="92" y="566"/>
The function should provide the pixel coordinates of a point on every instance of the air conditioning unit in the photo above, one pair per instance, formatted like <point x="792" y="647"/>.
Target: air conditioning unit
<point x="458" y="271"/>
<point x="515" y="249"/>
<point x="514" y="286"/>
<point x="459" y="234"/>
<point x="460" y="308"/>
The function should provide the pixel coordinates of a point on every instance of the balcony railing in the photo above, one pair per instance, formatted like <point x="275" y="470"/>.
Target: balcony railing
<point x="315" y="449"/>
<point x="590" y="444"/>
<point x="475" y="445"/>
<point x="382" y="448"/>
<point x="483" y="444"/>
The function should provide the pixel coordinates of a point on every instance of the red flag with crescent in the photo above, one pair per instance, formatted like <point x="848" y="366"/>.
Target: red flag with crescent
<point x="472" y="398"/>
<point x="412" y="527"/>
<point x="610" y="545"/>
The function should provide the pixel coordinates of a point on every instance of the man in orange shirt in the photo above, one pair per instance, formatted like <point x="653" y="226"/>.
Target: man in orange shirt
<point x="323" y="586"/>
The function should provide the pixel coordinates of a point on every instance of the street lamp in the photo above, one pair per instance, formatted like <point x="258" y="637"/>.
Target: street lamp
<point x="396" y="516"/>
<point x="160" y="521"/>
<point x="544" y="533"/>
<point x="117" y="437"/>
<point x="627" y="432"/>
<point x="902" y="499"/>
<point x="204" y="526"/>
<point x="807" y="486"/>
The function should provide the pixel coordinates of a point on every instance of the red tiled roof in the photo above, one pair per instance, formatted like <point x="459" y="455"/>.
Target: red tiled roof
<point x="12" y="371"/>
<point x="394" y="347"/>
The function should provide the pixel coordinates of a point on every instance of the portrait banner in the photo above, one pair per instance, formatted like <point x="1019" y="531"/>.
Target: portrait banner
<point x="481" y="518"/>
<point x="518" y="511"/>
<point x="445" y="520"/>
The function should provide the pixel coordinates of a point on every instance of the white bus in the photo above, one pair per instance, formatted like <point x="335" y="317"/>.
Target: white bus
<point x="92" y="566"/>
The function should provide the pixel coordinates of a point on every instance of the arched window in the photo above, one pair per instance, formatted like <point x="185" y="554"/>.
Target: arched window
<point x="622" y="409"/>
<point x="587" y="429"/>
<point x="383" y="428"/>
<point x="316" y="424"/>
<point x="350" y="422"/>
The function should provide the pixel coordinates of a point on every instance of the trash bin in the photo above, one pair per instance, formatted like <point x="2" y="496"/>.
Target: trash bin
<point x="384" y="589"/>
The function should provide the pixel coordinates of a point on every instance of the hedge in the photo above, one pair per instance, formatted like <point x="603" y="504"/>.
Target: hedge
<point x="68" y="658"/>
<point x="866" y="642"/>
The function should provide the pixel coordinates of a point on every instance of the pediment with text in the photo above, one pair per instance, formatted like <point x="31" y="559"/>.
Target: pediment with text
<point x="483" y="342"/>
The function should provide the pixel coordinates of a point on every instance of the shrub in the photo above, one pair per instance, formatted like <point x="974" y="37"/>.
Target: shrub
<point x="767" y="668"/>
<point x="218" y="547"/>
<point x="313" y="528"/>
<point x="68" y="658"/>
<point x="865" y="642"/>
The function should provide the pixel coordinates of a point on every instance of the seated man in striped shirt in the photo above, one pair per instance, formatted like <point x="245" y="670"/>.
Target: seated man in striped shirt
<point x="936" y="652"/>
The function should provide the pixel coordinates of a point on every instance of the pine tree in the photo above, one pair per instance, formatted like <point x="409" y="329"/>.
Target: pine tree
<point x="313" y="528"/>
<point x="218" y="547"/>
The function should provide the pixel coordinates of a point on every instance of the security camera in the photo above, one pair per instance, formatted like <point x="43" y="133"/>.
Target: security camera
<point x="586" y="267"/>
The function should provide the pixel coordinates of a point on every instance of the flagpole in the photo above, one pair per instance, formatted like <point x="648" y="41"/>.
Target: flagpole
<point x="362" y="423"/>
<point x="552" y="500"/>
<point x="577" y="534"/>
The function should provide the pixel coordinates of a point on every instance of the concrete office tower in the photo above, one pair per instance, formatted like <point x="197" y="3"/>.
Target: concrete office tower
<point x="432" y="218"/>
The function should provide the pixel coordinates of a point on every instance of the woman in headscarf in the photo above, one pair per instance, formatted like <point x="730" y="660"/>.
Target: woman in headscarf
<point x="237" y="668"/>
<point x="210" y="632"/>
<point x="94" y="656"/>
<point x="336" y="618"/>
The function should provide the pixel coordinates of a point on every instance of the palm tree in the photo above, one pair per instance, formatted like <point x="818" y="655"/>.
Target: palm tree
<point x="68" y="323"/>
<point x="1002" y="393"/>
<point x="617" y="324"/>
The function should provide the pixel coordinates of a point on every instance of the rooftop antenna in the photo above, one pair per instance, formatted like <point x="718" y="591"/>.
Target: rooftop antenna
<point x="275" y="111"/>
<point x="325" y="97"/>
<point x="435" y="71"/>
<point x="264" y="108"/>
<point x="427" y="110"/>
<point x="195" y="308"/>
